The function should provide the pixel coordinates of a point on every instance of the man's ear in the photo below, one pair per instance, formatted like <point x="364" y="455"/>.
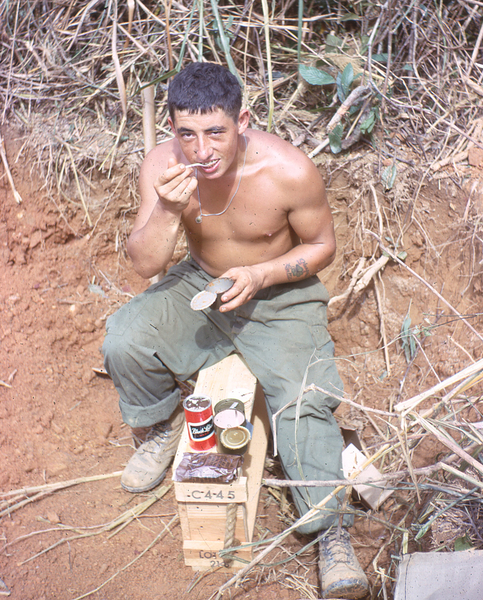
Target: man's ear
<point x="243" y="120"/>
<point x="171" y="124"/>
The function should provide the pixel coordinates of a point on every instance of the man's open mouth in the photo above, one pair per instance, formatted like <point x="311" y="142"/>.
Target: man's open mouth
<point x="209" y="164"/>
<point x="206" y="165"/>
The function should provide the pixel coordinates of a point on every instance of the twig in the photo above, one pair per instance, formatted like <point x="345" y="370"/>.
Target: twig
<point x="361" y="280"/>
<point x="53" y="487"/>
<point x="382" y="325"/>
<point x="302" y="520"/>
<point x="16" y="195"/>
<point x="156" y="539"/>
<point x="118" y="524"/>
<point x="449" y="443"/>
<point x="426" y="471"/>
<point x="149" y="119"/>
<point x="351" y="99"/>
<point x="410" y="404"/>
<point x="84" y="205"/>
<point x="399" y="261"/>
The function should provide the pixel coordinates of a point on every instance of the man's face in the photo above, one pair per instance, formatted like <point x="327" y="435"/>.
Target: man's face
<point x="212" y="139"/>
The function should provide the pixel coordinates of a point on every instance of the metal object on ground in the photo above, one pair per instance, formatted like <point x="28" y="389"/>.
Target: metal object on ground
<point x="198" y="410"/>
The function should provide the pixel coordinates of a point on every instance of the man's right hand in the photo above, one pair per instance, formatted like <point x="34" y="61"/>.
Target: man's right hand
<point x="175" y="186"/>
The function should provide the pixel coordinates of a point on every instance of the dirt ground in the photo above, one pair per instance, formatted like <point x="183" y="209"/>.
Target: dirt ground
<point x="59" y="419"/>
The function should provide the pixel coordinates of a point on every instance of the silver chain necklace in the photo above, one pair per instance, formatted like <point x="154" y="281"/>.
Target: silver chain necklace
<point x="201" y="215"/>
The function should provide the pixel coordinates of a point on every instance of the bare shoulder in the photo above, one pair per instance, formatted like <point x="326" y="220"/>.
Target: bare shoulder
<point x="286" y="164"/>
<point x="156" y="160"/>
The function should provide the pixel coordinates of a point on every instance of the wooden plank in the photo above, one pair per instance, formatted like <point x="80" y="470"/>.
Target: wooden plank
<point x="207" y="522"/>
<point x="230" y="377"/>
<point x="254" y="462"/>
<point x="202" y="507"/>
<point x="184" y="521"/>
<point x="212" y="492"/>
<point x="203" y="556"/>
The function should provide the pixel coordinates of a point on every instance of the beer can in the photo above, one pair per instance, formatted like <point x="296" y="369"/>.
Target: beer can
<point x="198" y="410"/>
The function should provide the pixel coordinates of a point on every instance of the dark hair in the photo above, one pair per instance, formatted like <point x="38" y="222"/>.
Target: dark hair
<point x="204" y="87"/>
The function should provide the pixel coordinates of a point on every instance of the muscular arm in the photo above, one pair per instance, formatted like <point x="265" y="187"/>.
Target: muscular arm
<point x="165" y="188"/>
<point x="310" y="218"/>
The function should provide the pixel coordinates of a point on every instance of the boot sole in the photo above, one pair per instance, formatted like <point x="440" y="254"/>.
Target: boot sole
<point x="137" y="490"/>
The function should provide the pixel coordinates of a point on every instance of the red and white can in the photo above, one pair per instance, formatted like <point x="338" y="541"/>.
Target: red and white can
<point x="198" y="410"/>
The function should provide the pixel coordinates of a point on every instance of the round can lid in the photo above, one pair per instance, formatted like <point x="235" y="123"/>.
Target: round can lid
<point x="197" y="402"/>
<point x="202" y="300"/>
<point x="220" y="285"/>
<point x="235" y="437"/>
<point x="229" y="418"/>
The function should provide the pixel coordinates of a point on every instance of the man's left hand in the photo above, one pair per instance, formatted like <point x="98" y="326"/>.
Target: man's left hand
<point x="248" y="280"/>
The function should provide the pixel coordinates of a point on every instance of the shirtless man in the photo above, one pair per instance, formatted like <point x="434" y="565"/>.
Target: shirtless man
<point x="255" y="211"/>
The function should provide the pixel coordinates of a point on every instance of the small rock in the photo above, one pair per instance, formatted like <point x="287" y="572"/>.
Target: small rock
<point x="53" y="517"/>
<point x="35" y="239"/>
<point x="57" y="427"/>
<point x="103" y="429"/>
<point x="475" y="157"/>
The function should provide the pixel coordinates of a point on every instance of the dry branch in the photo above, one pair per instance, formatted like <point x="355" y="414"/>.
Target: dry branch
<point x="306" y="518"/>
<point x="167" y="529"/>
<point x="399" y="261"/>
<point x="353" y="98"/>
<point x="411" y="403"/>
<point x="361" y="279"/>
<point x="16" y="195"/>
<point x="44" y="490"/>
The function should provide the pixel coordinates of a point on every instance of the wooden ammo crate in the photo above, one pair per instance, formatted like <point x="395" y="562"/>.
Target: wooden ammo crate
<point x="202" y="506"/>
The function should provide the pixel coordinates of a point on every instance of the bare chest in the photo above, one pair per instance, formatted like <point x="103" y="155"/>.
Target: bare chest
<point x="256" y="216"/>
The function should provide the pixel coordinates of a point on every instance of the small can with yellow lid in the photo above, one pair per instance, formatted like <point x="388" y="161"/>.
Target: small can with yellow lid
<point x="234" y="440"/>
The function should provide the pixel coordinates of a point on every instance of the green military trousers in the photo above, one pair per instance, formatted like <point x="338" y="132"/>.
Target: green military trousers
<point x="281" y="333"/>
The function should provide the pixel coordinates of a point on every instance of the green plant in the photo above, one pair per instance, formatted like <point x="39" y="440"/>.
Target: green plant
<point x="354" y="109"/>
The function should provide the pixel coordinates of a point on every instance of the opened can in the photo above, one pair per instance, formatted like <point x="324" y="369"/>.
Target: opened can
<point x="234" y="440"/>
<point x="198" y="410"/>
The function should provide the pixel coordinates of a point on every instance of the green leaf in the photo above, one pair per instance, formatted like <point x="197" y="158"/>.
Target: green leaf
<point x="368" y="124"/>
<point x="340" y="88"/>
<point x="315" y="76"/>
<point x="347" y="79"/>
<point x="335" y="139"/>
<point x="408" y="342"/>
<point x="334" y="41"/>
<point x="389" y="176"/>
<point x="462" y="543"/>
<point x="380" y="57"/>
<point x="350" y="17"/>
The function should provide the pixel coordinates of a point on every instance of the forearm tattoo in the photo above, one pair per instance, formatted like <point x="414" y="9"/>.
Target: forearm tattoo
<point x="298" y="270"/>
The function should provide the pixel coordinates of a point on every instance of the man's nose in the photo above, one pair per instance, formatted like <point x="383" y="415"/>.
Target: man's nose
<point x="204" y="150"/>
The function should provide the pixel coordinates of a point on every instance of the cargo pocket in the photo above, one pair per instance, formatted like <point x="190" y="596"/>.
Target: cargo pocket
<point x="320" y="336"/>
<point x="122" y="319"/>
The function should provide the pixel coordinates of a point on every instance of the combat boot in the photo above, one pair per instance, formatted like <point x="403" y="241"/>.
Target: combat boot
<point x="341" y="575"/>
<point x="148" y="465"/>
